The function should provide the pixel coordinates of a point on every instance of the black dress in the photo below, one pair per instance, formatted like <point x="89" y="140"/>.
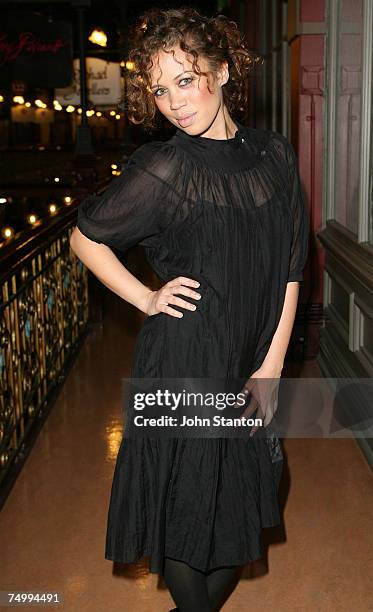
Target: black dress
<point x="230" y="214"/>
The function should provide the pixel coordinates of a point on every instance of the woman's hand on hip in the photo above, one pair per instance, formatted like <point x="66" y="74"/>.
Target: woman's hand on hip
<point x="162" y="299"/>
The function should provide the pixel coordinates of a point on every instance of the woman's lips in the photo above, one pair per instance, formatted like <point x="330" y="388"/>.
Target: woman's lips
<point x="186" y="121"/>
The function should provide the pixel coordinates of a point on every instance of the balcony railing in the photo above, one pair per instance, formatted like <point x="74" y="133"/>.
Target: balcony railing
<point x="44" y="312"/>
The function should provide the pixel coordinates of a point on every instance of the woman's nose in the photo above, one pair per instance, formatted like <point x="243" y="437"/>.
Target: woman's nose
<point x="176" y="102"/>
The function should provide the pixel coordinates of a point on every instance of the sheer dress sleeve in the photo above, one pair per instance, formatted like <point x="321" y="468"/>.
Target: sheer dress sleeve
<point x="299" y="245"/>
<point x="138" y="205"/>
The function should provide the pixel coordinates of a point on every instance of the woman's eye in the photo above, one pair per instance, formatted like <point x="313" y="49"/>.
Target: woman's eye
<point x="188" y="79"/>
<point x="185" y="81"/>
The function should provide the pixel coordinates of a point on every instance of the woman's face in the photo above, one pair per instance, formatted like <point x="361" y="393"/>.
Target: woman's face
<point x="183" y="96"/>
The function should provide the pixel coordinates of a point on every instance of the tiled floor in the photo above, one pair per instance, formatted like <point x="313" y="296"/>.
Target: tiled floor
<point x="52" y="527"/>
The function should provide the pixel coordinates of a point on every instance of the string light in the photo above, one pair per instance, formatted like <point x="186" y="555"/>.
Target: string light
<point x="69" y="109"/>
<point x="32" y="218"/>
<point x="40" y="104"/>
<point x="56" y="105"/>
<point x="130" y="65"/>
<point x="7" y="232"/>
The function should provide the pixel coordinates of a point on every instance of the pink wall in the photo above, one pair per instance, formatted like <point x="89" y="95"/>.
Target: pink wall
<point x="307" y="53"/>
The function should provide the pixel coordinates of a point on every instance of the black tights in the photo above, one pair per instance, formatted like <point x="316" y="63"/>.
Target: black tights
<point x="194" y="590"/>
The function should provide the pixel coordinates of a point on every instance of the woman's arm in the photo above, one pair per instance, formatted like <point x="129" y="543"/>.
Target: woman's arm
<point x="274" y="360"/>
<point x="101" y="260"/>
<point x="264" y="397"/>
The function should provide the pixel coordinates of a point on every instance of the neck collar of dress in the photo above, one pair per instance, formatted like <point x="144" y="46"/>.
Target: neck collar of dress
<point x="244" y="151"/>
<point x="216" y="143"/>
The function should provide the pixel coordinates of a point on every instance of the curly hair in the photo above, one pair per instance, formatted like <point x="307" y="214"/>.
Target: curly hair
<point x="217" y="39"/>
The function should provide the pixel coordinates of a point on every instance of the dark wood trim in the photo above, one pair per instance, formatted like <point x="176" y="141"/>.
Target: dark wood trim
<point x="357" y="258"/>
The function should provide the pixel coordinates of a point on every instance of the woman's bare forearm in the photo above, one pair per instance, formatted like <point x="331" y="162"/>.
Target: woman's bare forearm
<point x="102" y="262"/>
<point x="276" y="354"/>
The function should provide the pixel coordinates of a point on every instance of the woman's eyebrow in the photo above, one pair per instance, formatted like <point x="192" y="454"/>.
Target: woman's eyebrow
<point x="174" y="79"/>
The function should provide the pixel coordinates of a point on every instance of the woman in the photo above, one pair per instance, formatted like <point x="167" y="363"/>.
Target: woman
<point x="219" y="210"/>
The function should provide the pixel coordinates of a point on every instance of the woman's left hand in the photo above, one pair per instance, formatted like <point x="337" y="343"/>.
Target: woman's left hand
<point x="263" y="387"/>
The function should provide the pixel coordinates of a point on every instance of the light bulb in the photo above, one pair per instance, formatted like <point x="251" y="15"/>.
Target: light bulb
<point x="98" y="37"/>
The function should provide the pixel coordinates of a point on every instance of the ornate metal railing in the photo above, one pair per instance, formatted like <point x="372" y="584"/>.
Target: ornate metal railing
<point x="44" y="311"/>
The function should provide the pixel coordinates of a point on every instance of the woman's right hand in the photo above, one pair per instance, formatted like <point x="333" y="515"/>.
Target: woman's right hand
<point x="160" y="300"/>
